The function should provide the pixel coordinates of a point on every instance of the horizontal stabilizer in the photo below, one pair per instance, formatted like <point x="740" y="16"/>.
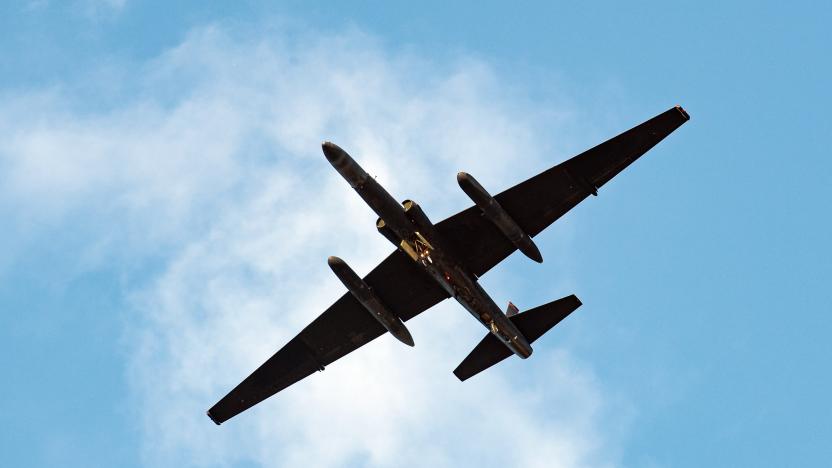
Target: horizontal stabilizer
<point x="532" y="324"/>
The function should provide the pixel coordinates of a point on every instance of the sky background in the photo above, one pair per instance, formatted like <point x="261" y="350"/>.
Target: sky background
<point x="167" y="213"/>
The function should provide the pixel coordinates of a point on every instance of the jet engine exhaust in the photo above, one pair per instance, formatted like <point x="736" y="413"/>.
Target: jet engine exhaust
<point x="388" y="233"/>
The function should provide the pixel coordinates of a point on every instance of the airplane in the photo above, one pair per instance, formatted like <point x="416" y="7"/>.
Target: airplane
<point x="433" y="262"/>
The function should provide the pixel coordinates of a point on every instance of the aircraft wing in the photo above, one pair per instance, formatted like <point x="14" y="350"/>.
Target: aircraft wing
<point x="537" y="202"/>
<point x="344" y="327"/>
<point x="407" y="291"/>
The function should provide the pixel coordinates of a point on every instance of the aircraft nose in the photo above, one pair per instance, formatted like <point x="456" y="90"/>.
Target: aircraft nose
<point x="334" y="154"/>
<point x="334" y="262"/>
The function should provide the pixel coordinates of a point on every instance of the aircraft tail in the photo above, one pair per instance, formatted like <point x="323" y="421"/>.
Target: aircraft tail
<point x="532" y="324"/>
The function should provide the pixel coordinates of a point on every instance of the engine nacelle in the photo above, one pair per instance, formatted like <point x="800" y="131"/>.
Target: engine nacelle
<point x="497" y="215"/>
<point x="421" y="246"/>
<point x="417" y="216"/>
<point x="388" y="233"/>
<point x="368" y="299"/>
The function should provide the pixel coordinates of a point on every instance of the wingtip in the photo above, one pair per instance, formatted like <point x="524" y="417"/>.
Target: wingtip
<point x="572" y="298"/>
<point x="216" y="421"/>
<point x="684" y="113"/>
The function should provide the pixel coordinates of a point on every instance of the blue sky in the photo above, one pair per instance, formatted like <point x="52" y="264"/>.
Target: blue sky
<point x="167" y="215"/>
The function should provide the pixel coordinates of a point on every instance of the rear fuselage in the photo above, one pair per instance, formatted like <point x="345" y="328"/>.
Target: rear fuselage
<point x="467" y="291"/>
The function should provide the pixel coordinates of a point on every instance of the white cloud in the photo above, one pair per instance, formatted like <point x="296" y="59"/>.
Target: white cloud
<point x="217" y="160"/>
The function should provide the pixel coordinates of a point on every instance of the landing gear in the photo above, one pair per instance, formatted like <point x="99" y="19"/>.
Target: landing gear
<point x="419" y="249"/>
<point x="423" y="250"/>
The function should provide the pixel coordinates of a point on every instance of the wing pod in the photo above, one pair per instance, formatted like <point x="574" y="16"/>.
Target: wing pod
<point x="365" y="295"/>
<point x="497" y="215"/>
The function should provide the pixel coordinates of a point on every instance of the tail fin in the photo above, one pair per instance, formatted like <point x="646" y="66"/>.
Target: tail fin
<point x="532" y="324"/>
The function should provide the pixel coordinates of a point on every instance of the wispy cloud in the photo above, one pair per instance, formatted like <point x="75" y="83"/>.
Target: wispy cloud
<point x="100" y="9"/>
<point x="215" y="167"/>
<point x="92" y="9"/>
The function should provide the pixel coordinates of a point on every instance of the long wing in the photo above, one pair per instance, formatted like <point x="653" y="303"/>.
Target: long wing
<point x="407" y="291"/>
<point x="344" y="327"/>
<point x="538" y="202"/>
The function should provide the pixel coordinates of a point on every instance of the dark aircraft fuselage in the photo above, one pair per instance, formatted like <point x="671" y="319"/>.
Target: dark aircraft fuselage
<point x="414" y="234"/>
